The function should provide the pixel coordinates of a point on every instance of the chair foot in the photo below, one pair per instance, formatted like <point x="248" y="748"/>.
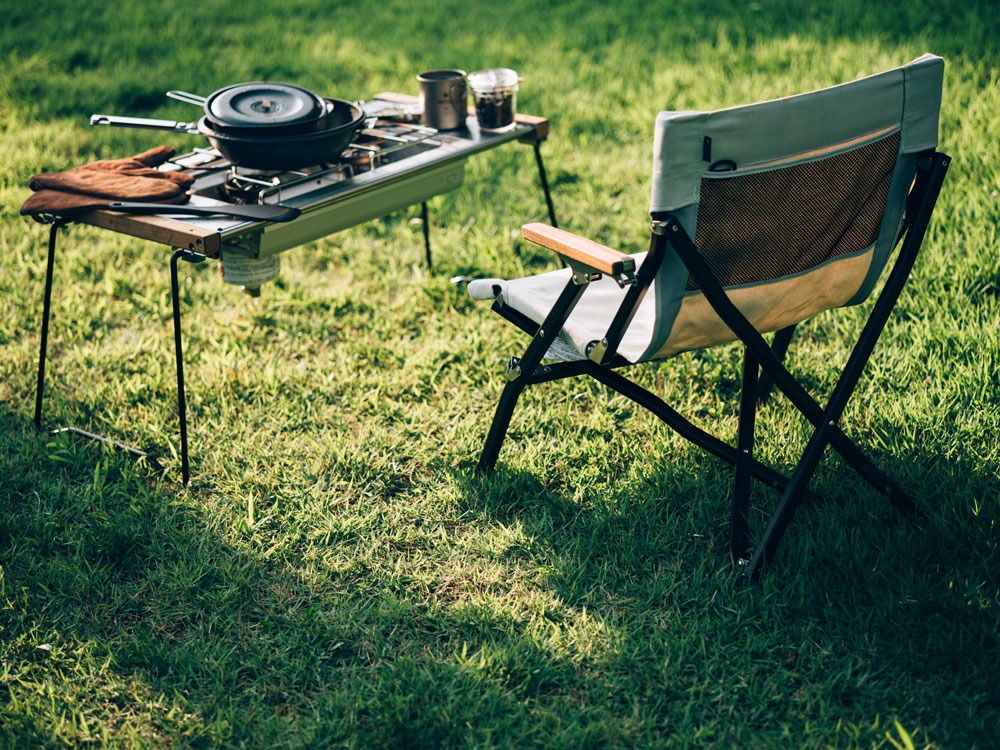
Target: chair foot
<point x="498" y="428"/>
<point x="900" y="500"/>
<point x="484" y="467"/>
<point x="743" y="576"/>
<point x="745" y="580"/>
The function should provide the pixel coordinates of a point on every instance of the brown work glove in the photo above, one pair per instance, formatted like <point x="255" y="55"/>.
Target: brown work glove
<point x="133" y="179"/>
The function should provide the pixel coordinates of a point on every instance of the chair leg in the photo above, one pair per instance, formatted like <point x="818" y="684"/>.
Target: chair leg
<point x="827" y="432"/>
<point x="790" y="500"/>
<point x="684" y="427"/>
<point x="739" y="533"/>
<point x="524" y="372"/>
<point x="498" y="428"/>
<point x="849" y="451"/>
<point x="779" y="345"/>
<point x="788" y="385"/>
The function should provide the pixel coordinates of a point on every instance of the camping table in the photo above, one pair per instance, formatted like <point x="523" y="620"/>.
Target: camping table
<point x="331" y="207"/>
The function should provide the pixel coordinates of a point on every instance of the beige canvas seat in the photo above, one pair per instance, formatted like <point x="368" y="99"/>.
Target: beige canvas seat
<point x="763" y="216"/>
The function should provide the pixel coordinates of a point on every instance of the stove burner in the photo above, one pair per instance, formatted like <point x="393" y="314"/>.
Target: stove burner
<point x="387" y="141"/>
<point x="361" y="158"/>
<point x="243" y="189"/>
<point x="380" y="144"/>
<point x="241" y="186"/>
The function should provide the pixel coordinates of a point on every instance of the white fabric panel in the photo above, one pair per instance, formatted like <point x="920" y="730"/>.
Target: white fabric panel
<point x="534" y="296"/>
<point x="907" y="97"/>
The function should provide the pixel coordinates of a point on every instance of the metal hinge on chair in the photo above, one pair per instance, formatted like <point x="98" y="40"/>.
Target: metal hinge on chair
<point x="583" y="275"/>
<point x="628" y="278"/>
<point x="596" y="350"/>
<point x="514" y="369"/>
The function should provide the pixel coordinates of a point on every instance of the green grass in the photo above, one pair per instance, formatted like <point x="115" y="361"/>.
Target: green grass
<point x="334" y="575"/>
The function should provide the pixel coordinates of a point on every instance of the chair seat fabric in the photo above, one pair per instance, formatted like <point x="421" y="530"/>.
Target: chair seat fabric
<point x="534" y="296"/>
<point x="769" y="307"/>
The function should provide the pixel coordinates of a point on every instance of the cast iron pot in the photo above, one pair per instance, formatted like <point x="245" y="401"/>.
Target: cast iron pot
<point x="266" y="148"/>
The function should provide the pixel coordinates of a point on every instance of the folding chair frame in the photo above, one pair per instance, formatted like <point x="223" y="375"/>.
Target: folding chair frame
<point x="763" y="368"/>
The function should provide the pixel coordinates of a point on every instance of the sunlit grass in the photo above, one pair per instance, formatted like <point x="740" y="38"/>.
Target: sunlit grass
<point x="335" y="574"/>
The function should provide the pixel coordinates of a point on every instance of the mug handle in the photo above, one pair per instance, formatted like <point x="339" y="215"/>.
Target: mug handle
<point x="460" y="82"/>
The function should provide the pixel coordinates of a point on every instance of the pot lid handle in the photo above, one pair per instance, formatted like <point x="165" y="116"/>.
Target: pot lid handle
<point x="184" y="96"/>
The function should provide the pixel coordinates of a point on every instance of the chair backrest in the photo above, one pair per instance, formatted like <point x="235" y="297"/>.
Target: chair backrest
<point x="794" y="203"/>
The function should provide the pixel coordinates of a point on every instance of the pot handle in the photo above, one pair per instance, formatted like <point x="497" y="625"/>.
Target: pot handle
<point x="142" y="122"/>
<point x="184" y="96"/>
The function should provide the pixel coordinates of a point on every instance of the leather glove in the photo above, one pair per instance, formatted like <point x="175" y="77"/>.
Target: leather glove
<point x="132" y="179"/>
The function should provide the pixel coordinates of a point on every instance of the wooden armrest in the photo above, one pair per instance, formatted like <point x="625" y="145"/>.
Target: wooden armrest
<point x="573" y="246"/>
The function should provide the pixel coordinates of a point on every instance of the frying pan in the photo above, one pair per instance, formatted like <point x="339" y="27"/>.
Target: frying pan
<point x="266" y="148"/>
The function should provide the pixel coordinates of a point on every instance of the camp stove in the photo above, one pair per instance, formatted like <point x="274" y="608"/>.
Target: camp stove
<point x="373" y="147"/>
<point x="387" y="167"/>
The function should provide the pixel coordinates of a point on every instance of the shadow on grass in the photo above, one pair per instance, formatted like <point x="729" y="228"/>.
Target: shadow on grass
<point x="127" y="611"/>
<point x="866" y="613"/>
<point x="124" y="602"/>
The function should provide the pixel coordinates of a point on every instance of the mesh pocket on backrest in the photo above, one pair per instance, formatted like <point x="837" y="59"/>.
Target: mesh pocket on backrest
<point x="766" y="225"/>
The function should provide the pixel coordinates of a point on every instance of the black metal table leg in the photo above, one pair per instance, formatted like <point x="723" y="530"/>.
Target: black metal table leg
<point x="545" y="183"/>
<point x="426" y="225"/>
<point x="191" y="257"/>
<point x="425" y="219"/>
<point x="46" y="310"/>
<point x="43" y="349"/>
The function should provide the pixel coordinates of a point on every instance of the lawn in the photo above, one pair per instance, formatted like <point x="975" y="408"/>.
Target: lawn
<point x="335" y="574"/>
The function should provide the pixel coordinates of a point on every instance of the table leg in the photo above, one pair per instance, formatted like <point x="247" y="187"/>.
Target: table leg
<point x="426" y="225"/>
<point x="46" y="310"/>
<point x="191" y="257"/>
<point x="545" y="184"/>
<point x="43" y="348"/>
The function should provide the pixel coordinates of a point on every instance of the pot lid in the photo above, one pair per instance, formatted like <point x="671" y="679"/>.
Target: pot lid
<point x="264" y="104"/>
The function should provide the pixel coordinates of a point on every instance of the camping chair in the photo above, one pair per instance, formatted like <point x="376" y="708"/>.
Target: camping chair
<point x="762" y="216"/>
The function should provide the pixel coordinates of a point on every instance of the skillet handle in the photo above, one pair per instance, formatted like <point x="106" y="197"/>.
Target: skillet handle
<point x="146" y="123"/>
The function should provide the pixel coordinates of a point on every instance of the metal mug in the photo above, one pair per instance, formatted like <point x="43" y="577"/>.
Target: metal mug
<point x="443" y="99"/>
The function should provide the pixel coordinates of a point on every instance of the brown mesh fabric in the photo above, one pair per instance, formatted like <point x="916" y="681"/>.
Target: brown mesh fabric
<point x="763" y="226"/>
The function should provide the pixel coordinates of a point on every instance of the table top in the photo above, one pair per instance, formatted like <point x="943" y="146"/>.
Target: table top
<point x="206" y="235"/>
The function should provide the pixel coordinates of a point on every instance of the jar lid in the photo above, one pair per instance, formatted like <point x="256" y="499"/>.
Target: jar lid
<point x="492" y="79"/>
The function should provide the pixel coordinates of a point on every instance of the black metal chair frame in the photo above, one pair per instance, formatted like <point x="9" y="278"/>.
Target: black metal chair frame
<point x="763" y="369"/>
